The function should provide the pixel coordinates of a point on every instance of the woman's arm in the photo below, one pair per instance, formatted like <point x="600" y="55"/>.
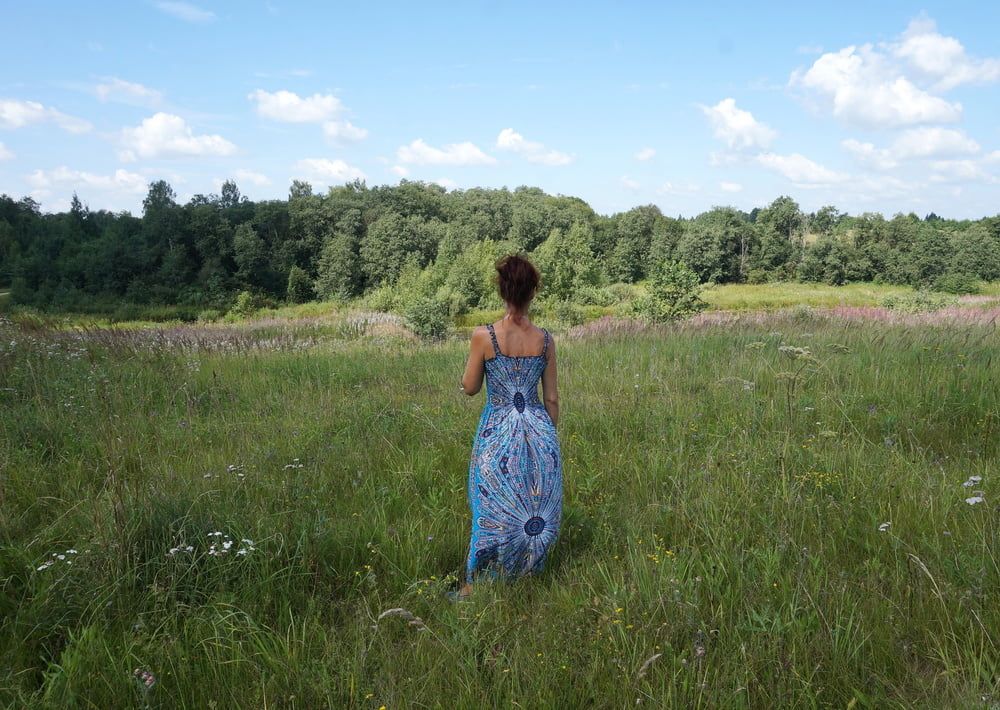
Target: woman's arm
<point x="472" y="379"/>
<point x="550" y="391"/>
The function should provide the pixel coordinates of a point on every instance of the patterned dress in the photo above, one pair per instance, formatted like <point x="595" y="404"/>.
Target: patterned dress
<point x="515" y="474"/>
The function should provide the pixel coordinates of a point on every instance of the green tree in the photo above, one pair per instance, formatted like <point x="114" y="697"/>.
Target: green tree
<point x="566" y="262"/>
<point x="673" y="293"/>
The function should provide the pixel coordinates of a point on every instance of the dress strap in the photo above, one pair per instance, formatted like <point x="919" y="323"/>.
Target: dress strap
<point x="545" y="347"/>
<point x="493" y="337"/>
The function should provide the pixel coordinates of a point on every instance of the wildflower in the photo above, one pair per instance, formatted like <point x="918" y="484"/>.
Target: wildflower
<point x="884" y="527"/>
<point x="973" y="480"/>
<point x="294" y="464"/>
<point x="145" y="679"/>
<point x="976" y="499"/>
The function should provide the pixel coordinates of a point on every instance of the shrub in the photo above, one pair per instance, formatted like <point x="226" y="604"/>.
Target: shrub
<point x="956" y="283"/>
<point x="918" y="302"/>
<point x="595" y="296"/>
<point x="244" y="307"/>
<point x="758" y="276"/>
<point x="567" y="312"/>
<point x="427" y="317"/>
<point x="300" y="286"/>
<point x="673" y="293"/>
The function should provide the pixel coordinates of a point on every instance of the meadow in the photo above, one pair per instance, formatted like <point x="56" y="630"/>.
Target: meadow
<point x="794" y="508"/>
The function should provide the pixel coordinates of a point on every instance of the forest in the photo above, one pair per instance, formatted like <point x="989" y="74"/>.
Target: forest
<point x="395" y="245"/>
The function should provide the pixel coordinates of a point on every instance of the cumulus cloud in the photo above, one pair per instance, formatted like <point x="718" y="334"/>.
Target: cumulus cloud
<point x="5" y="153"/>
<point x="959" y="171"/>
<point x="799" y="169"/>
<point x="420" y="153"/>
<point x="399" y="170"/>
<point x="343" y="132"/>
<point x="645" y="154"/>
<point x="185" y="11"/>
<point x="63" y="178"/>
<point x="164" y="135"/>
<point x="289" y="107"/>
<point x="737" y="128"/>
<point x="127" y="92"/>
<point x="533" y="152"/>
<point x="914" y="144"/>
<point x="327" y="172"/>
<point x="896" y="84"/>
<point x="446" y="183"/>
<point x="730" y="186"/>
<point x="942" y="59"/>
<point x="15" y="113"/>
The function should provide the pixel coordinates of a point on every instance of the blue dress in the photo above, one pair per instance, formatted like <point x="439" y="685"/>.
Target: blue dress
<point x="515" y="474"/>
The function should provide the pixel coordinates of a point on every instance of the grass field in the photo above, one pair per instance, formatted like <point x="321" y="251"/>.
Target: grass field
<point x="746" y="524"/>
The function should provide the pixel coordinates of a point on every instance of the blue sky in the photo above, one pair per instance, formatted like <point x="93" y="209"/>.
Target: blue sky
<point x="884" y="106"/>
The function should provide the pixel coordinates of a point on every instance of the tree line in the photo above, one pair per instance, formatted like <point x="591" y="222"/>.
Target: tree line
<point x="390" y="244"/>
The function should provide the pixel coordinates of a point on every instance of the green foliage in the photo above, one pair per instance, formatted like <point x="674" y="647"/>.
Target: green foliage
<point x="428" y="317"/>
<point x="300" y="286"/>
<point x="567" y="313"/>
<point x="355" y="241"/>
<point x="918" y="302"/>
<point x="956" y="283"/>
<point x="673" y="293"/>
<point x="566" y="262"/>
<point x="244" y="306"/>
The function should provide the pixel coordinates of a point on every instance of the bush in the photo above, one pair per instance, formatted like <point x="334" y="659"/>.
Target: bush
<point x="758" y="276"/>
<point x="918" y="302"/>
<point x="673" y="293"/>
<point x="956" y="283"/>
<point x="568" y="313"/>
<point x="244" y="307"/>
<point x="595" y="296"/>
<point x="300" y="286"/>
<point x="427" y="317"/>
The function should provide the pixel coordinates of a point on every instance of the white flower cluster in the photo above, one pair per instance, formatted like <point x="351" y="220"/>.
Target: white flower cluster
<point x="56" y="558"/>
<point x="294" y="464"/>
<point x="977" y="496"/>
<point x="223" y="545"/>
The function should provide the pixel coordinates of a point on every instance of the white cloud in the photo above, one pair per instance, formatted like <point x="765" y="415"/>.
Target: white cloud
<point x="914" y="144"/>
<point x="289" y="107"/>
<point x="993" y="157"/>
<point x="446" y="183"/>
<point x="959" y="171"/>
<point x="185" y="11"/>
<point x="252" y="177"/>
<point x="5" y="153"/>
<point x="629" y="184"/>
<point x="17" y="114"/>
<point x="327" y="172"/>
<point x="942" y="59"/>
<point x="800" y="169"/>
<point x="868" y="154"/>
<point x="399" y="170"/>
<point x="420" y="153"/>
<point x="730" y="186"/>
<point x="533" y="152"/>
<point x="645" y="154"/>
<point x="893" y="84"/>
<point x="343" y="132"/>
<point x="737" y="128"/>
<point x="933" y="143"/>
<point x="127" y="92"/>
<point x="164" y="135"/>
<point x="121" y="181"/>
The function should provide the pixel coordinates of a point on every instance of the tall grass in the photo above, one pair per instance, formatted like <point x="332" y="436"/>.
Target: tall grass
<point x="757" y="514"/>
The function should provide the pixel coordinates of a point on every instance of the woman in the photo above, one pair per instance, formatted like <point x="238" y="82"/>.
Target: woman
<point x="515" y="475"/>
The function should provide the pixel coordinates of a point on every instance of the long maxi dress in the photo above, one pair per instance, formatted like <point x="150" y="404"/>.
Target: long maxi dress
<point x="515" y="473"/>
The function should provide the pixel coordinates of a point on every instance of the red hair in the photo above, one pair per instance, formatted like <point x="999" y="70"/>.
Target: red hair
<point x="517" y="280"/>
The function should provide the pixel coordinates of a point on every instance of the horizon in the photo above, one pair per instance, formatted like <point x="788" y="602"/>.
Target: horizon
<point x="601" y="104"/>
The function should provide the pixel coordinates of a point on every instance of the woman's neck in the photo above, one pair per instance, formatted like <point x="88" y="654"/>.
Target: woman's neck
<point x="515" y="315"/>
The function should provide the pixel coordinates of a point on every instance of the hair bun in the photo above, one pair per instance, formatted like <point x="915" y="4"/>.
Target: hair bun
<point x="517" y="280"/>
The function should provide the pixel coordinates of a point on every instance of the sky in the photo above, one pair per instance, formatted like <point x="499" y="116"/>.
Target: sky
<point x="869" y="106"/>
